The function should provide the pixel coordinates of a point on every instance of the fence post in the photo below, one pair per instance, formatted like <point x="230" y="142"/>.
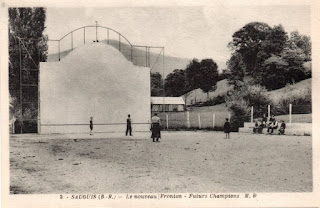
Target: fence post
<point x="188" y="119"/>
<point x="268" y="113"/>
<point x="199" y="119"/>
<point x="167" y="120"/>
<point x="213" y="120"/>
<point x="229" y="116"/>
<point x="290" y="112"/>
<point x="251" y="114"/>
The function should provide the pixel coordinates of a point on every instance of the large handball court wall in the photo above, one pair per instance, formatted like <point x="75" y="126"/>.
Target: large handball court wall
<point x="94" y="80"/>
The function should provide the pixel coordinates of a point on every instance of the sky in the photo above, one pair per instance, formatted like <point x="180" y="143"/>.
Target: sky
<point x="190" y="32"/>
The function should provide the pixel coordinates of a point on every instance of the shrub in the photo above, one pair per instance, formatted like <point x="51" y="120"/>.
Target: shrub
<point x="240" y="101"/>
<point x="215" y="101"/>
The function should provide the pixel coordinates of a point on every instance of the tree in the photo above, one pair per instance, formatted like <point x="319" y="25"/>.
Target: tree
<point x="203" y="75"/>
<point x="209" y="75"/>
<point x="302" y="42"/>
<point x="266" y="56"/>
<point x="176" y="83"/>
<point x="237" y="70"/>
<point x="248" y="41"/>
<point x="275" y="42"/>
<point x="275" y="73"/>
<point x="295" y="59"/>
<point x="156" y="84"/>
<point x="26" y="27"/>
<point x="192" y="75"/>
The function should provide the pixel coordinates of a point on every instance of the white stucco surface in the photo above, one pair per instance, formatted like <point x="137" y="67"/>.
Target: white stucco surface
<point x="97" y="81"/>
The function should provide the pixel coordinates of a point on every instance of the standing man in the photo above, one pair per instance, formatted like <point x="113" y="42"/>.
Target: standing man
<point x="129" y="129"/>
<point x="227" y="128"/>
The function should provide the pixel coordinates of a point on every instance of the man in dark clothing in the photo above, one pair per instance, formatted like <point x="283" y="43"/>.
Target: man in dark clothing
<point x="129" y="129"/>
<point x="282" y="127"/>
<point x="227" y="128"/>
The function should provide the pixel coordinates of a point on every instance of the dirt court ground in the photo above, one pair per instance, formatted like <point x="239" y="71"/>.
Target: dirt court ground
<point x="181" y="162"/>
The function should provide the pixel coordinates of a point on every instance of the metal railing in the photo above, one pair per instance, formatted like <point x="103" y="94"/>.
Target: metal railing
<point x="131" y="51"/>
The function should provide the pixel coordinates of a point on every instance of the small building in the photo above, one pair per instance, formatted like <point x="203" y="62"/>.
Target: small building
<point x="171" y="104"/>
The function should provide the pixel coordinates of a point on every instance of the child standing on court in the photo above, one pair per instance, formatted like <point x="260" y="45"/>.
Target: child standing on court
<point x="91" y="125"/>
<point x="227" y="128"/>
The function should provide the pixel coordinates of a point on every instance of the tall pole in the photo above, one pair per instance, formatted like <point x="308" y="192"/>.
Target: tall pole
<point x="167" y="119"/>
<point x="21" y="120"/>
<point x="290" y="112"/>
<point x="164" y="92"/>
<point x="269" y="113"/>
<point x="39" y="121"/>
<point x="251" y="114"/>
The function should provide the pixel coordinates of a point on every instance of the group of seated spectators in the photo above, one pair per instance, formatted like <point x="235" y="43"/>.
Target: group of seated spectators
<point x="271" y="125"/>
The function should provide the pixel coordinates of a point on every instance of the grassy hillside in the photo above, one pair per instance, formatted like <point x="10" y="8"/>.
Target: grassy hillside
<point x="197" y="95"/>
<point x="300" y="88"/>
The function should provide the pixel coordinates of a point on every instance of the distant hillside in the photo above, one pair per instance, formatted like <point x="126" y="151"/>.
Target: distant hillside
<point x="301" y="88"/>
<point x="139" y="58"/>
<point x="197" y="95"/>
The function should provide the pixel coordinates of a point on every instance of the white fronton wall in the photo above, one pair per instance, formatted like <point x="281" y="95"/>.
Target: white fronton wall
<point x="97" y="81"/>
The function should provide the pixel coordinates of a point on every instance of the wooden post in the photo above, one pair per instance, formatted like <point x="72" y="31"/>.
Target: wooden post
<point x="251" y="114"/>
<point x="167" y="120"/>
<point x="290" y="112"/>
<point x="199" y="119"/>
<point x="188" y="119"/>
<point x="269" y="113"/>
<point x="229" y="116"/>
<point x="213" y="120"/>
